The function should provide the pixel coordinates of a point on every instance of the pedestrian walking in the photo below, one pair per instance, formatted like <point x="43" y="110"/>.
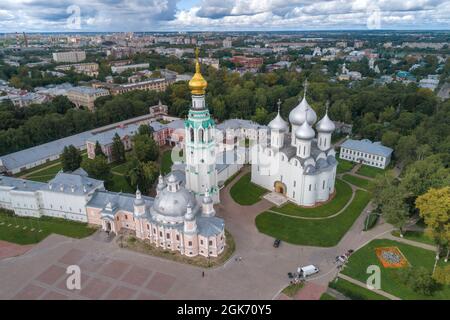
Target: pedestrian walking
<point x="203" y="274"/>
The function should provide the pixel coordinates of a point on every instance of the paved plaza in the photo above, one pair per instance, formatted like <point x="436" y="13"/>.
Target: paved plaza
<point x="109" y="272"/>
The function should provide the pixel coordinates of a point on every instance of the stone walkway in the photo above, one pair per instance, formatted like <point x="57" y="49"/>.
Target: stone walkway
<point x="8" y="249"/>
<point x="411" y="242"/>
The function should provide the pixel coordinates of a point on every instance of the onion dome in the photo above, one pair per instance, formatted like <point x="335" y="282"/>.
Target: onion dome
<point x="299" y="114"/>
<point x="305" y="132"/>
<point x="197" y="84"/>
<point x="325" y="124"/>
<point x="161" y="185"/>
<point x="138" y="201"/>
<point x="189" y="214"/>
<point x="207" y="198"/>
<point x="278" y="124"/>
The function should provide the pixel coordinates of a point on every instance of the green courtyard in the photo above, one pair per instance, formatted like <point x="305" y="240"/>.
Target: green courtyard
<point x="342" y="197"/>
<point x="325" y="232"/>
<point x="390" y="280"/>
<point x="245" y="192"/>
<point x="344" y="165"/>
<point x="26" y="230"/>
<point x="370" y="172"/>
<point x="354" y="291"/>
<point x="357" y="181"/>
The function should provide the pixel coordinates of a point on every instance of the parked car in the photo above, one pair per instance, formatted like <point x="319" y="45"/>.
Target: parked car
<point x="276" y="243"/>
<point x="308" y="270"/>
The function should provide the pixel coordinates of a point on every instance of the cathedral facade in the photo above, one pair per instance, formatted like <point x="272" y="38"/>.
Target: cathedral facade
<point x="299" y="163"/>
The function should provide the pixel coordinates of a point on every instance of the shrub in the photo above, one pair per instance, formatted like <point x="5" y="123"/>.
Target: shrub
<point x="418" y="279"/>
<point x="370" y="221"/>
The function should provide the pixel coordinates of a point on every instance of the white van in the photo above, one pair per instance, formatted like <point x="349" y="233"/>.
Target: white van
<point x="307" y="270"/>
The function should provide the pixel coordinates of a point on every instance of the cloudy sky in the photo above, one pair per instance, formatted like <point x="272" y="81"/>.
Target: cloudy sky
<point x="193" y="15"/>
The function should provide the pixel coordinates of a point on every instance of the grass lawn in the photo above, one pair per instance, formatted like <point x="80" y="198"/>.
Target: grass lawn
<point x="46" y="174"/>
<point x="245" y="192"/>
<point x="344" y="165"/>
<point x="326" y="296"/>
<point x="361" y="259"/>
<point x="120" y="168"/>
<point x="357" y="181"/>
<point x="343" y="195"/>
<point x="354" y="291"/>
<point x="48" y="226"/>
<point x="292" y="289"/>
<point x="418" y="236"/>
<point x="120" y="184"/>
<point x="321" y="233"/>
<point x="166" y="161"/>
<point x="369" y="171"/>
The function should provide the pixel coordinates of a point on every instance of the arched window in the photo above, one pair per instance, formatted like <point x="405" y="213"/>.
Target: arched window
<point x="191" y="133"/>
<point x="201" y="134"/>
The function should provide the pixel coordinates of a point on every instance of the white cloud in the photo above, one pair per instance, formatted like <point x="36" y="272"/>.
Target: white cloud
<point x="142" y="15"/>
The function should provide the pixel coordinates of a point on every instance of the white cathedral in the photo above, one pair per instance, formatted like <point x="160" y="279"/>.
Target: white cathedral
<point x="300" y="165"/>
<point x="182" y="217"/>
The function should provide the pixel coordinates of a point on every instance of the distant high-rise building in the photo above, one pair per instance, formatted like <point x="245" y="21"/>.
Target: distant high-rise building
<point x="69" y="56"/>
<point x="227" y="43"/>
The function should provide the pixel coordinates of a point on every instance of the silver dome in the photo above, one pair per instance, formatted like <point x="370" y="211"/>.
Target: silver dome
<point x="305" y="132"/>
<point x="207" y="199"/>
<point x="173" y="200"/>
<point x="278" y="124"/>
<point x="299" y="114"/>
<point x="325" y="124"/>
<point x="321" y="163"/>
<point x="138" y="201"/>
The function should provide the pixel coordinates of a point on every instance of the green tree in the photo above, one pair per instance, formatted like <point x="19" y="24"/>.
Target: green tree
<point x="423" y="175"/>
<point x="70" y="158"/>
<point x="145" y="130"/>
<point x="98" y="150"/>
<point x="145" y="148"/>
<point x="390" y="138"/>
<point x="117" y="149"/>
<point x="98" y="168"/>
<point x="142" y="174"/>
<point x="418" y="279"/>
<point x="434" y="207"/>
<point x="260" y="116"/>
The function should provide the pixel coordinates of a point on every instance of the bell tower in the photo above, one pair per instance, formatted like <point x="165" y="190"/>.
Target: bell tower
<point x="201" y="173"/>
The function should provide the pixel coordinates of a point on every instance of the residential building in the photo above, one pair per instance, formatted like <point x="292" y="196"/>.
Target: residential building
<point x="134" y="67"/>
<point x="367" y="152"/>
<point x="85" y="96"/>
<point x="247" y="62"/>
<point x="69" y="56"/>
<point x="90" y="69"/>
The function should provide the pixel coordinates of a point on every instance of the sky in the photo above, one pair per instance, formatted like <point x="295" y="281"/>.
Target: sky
<point x="221" y="15"/>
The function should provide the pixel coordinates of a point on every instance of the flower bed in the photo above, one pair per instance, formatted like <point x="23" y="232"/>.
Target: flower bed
<point x="391" y="257"/>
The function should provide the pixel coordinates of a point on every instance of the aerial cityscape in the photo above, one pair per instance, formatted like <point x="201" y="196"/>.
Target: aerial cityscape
<point x="225" y="150"/>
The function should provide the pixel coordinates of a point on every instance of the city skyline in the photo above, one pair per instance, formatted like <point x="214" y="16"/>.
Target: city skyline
<point x="236" y="15"/>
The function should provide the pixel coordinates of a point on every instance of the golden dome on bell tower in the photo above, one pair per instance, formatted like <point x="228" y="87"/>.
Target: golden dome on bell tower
<point x="197" y="84"/>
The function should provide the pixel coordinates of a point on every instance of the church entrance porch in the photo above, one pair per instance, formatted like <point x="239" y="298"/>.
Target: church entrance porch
<point x="280" y="187"/>
<point x="276" y="198"/>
